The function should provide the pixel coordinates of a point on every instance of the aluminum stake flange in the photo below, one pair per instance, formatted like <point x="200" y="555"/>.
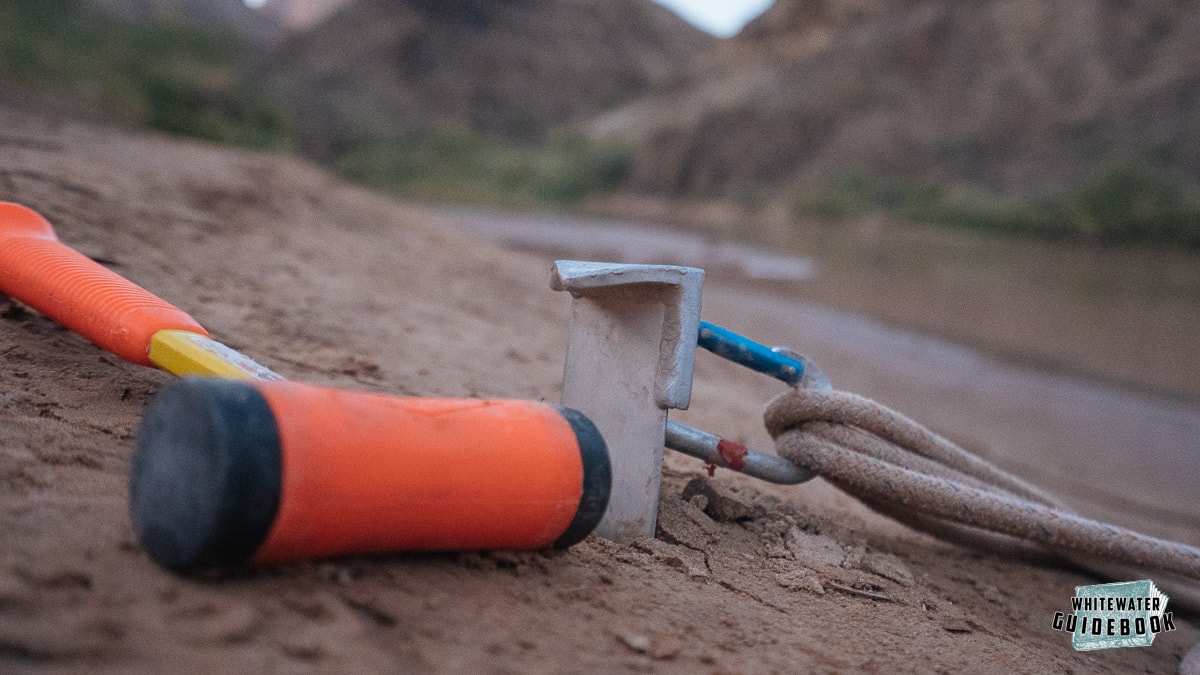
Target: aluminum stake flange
<point x="630" y="352"/>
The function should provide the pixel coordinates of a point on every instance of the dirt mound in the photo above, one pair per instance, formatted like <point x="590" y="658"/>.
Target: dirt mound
<point x="333" y="285"/>
<point x="517" y="69"/>
<point x="1007" y="95"/>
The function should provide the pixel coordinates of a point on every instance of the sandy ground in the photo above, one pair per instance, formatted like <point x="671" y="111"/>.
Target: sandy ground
<point x="332" y="285"/>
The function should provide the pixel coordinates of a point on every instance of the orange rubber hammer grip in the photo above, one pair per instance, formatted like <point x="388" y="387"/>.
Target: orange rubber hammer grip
<point x="227" y="472"/>
<point x="44" y="273"/>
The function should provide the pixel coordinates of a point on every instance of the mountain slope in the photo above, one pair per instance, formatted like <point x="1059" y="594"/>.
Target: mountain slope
<point x="299" y="15"/>
<point x="1006" y="94"/>
<point x="515" y="69"/>
<point x="228" y="14"/>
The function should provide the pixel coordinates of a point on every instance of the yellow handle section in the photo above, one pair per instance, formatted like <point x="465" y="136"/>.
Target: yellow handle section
<point x="182" y="352"/>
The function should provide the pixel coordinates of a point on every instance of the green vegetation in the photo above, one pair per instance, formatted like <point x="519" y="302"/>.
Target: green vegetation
<point x="464" y="166"/>
<point x="175" y="78"/>
<point x="1120" y="203"/>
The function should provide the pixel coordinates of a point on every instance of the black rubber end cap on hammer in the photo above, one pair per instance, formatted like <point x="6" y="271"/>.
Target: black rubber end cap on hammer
<point x="597" y="478"/>
<point x="206" y="476"/>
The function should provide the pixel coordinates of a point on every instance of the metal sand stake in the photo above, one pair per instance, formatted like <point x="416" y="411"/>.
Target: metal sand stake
<point x="890" y="462"/>
<point x="630" y="353"/>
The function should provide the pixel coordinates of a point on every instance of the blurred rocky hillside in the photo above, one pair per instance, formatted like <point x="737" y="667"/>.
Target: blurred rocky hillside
<point x="300" y="15"/>
<point x="1008" y="95"/>
<point x="213" y="14"/>
<point x="1073" y="118"/>
<point x="515" y="69"/>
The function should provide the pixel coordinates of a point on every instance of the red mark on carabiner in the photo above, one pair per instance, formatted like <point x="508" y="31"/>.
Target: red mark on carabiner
<point x="734" y="453"/>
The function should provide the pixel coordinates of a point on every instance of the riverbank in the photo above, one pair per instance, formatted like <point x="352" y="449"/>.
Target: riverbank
<point x="333" y="285"/>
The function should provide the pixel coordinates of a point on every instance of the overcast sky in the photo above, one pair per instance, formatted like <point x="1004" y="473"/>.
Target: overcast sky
<point x="719" y="17"/>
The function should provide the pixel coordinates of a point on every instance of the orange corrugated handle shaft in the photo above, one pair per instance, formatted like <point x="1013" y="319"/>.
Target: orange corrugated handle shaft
<point x="42" y="272"/>
<point x="365" y="472"/>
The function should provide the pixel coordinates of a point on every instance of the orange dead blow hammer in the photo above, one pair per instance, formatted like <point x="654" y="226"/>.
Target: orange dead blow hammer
<point x="228" y="471"/>
<point x="257" y="469"/>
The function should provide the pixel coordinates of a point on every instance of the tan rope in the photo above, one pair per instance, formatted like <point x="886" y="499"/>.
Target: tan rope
<point x="903" y="470"/>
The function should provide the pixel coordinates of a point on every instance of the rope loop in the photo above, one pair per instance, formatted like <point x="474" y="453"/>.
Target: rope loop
<point x="904" y="470"/>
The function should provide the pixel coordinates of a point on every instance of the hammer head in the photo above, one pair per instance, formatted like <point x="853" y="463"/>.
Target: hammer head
<point x="630" y="351"/>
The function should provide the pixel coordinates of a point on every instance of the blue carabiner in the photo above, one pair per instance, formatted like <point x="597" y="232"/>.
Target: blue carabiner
<point x="744" y="351"/>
